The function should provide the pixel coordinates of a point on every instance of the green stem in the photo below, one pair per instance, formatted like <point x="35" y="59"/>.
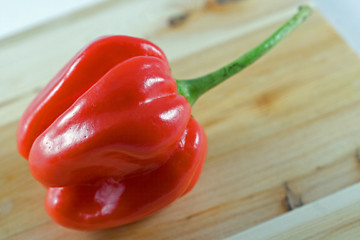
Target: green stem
<point x="192" y="89"/>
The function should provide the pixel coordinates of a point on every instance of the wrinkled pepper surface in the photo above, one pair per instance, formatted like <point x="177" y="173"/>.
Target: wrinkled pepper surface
<point x="112" y="137"/>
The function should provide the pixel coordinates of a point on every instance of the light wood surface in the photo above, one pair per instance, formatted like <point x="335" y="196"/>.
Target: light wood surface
<point x="283" y="133"/>
<point x="333" y="217"/>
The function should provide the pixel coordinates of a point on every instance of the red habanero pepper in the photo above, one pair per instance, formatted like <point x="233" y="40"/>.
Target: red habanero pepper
<point x="112" y="137"/>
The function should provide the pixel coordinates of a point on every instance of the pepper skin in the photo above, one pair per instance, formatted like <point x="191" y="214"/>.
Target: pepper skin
<point x="110" y="137"/>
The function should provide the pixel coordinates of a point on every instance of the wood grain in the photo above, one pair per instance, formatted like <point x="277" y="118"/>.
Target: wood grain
<point x="291" y="119"/>
<point x="333" y="217"/>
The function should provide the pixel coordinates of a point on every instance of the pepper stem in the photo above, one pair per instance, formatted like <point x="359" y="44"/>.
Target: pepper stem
<point x="192" y="89"/>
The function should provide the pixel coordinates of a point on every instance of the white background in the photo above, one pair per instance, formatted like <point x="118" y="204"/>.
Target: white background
<point x="19" y="15"/>
<point x="344" y="15"/>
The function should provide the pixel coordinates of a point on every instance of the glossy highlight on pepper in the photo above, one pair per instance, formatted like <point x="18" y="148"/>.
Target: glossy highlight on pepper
<point x="111" y="136"/>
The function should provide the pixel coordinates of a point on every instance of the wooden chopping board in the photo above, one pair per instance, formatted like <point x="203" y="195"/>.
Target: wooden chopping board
<point x="282" y="134"/>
